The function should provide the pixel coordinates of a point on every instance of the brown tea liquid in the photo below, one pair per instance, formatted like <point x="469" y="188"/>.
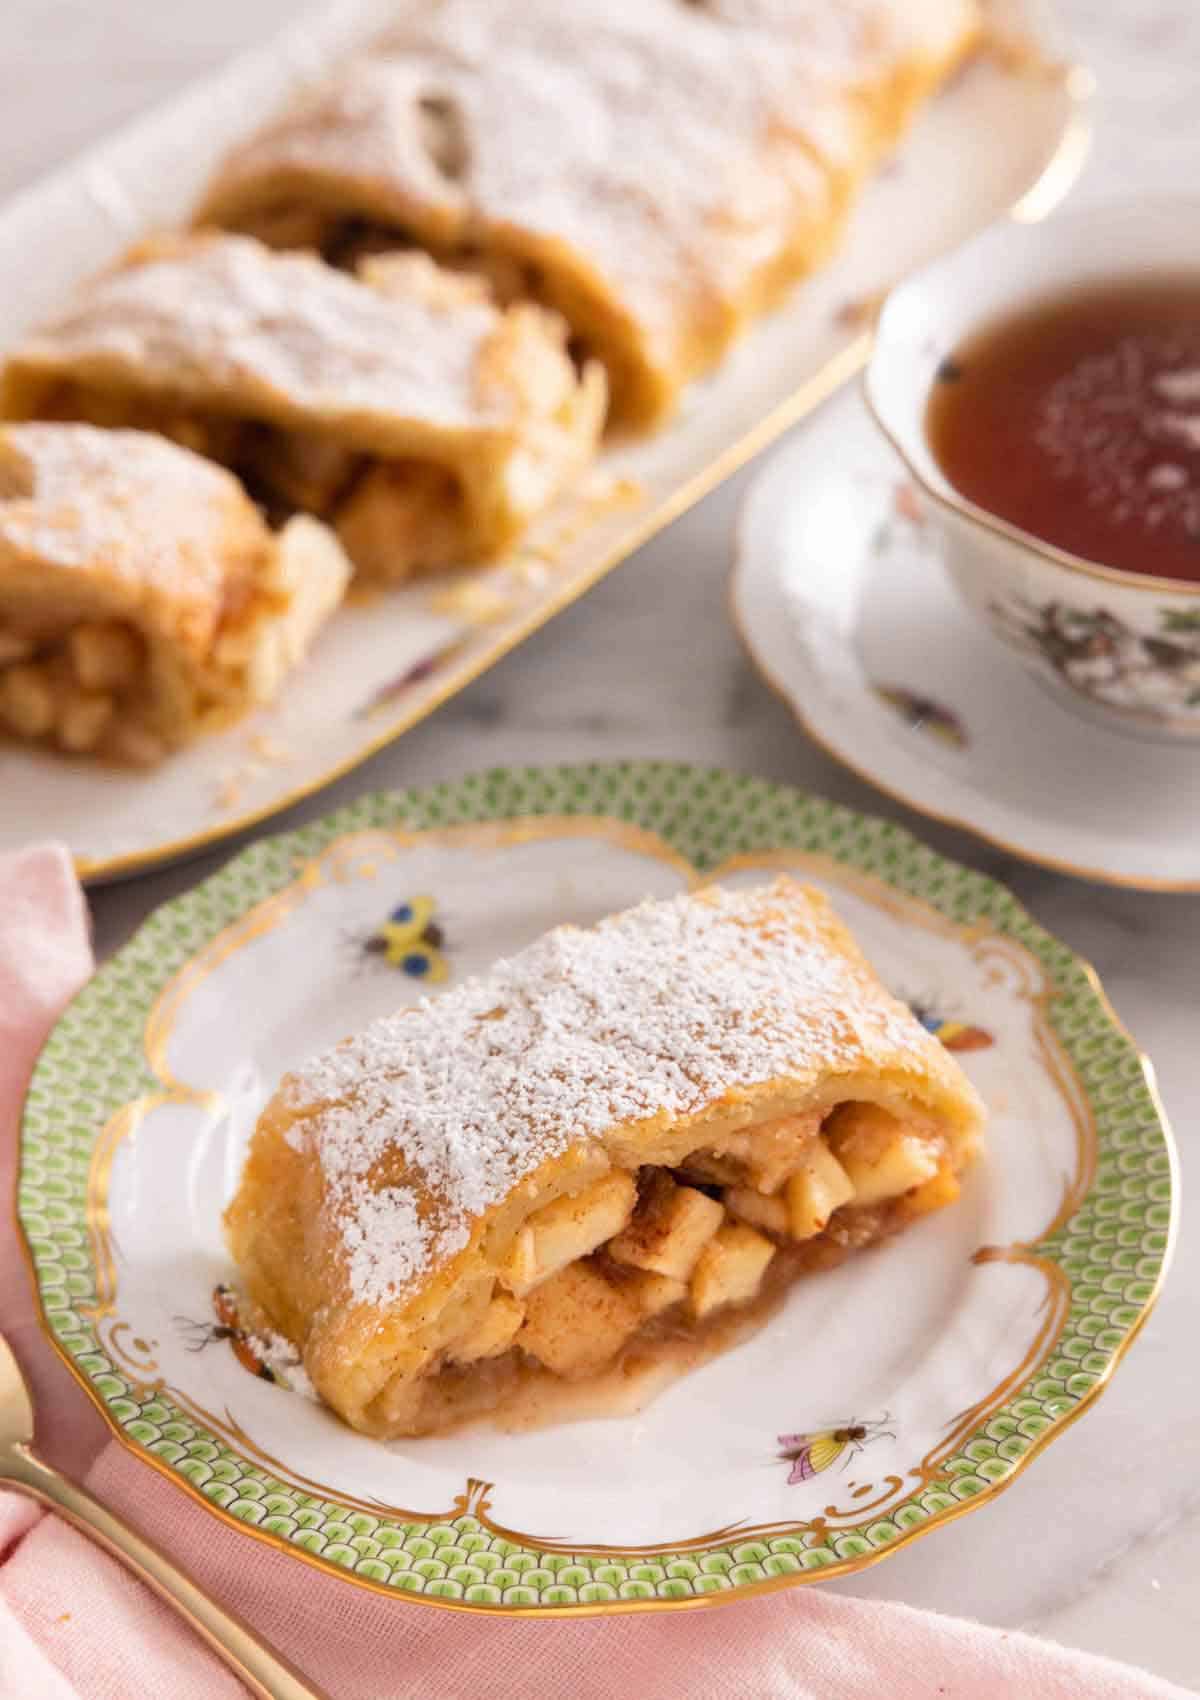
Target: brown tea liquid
<point x="1079" y="421"/>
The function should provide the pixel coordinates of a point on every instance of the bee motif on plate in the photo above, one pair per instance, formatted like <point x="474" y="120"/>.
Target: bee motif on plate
<point x="823" y="1450"/>
<point x="411" y="940"/>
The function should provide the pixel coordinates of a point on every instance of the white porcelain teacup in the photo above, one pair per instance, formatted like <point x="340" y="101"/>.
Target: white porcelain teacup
<point x="1126" y="646"/>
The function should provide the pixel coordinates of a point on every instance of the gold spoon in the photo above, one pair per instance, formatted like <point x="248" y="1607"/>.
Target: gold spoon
<point x="265" y="1674"/>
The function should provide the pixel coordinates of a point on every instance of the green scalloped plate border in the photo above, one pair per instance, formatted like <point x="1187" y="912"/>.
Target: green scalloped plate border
<point x="1114" y="1251"/>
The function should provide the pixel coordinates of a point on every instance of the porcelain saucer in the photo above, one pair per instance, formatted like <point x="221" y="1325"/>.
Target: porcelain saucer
<point x="843" y="603"/>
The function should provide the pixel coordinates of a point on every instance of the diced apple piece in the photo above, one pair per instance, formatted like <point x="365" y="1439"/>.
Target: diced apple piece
<point x="577" y="1321"/>
<point x="567" y="1229"/>
<point x="302" y="468"/>
<point x="408" y="274"/>
<point x="403" y="518"/>
<point x="15" y="647"/>
<point x="818" y="1188"/>
<point x="776" y="1149"/>
<point x="82" y="718"/>
<point x="652" y="1293"/>
<point x="725" y="1170"/>
<point x="769" y="1214"/>
<point x="495" y="1334"/>
<point x="670" y="1227"/>
<point x="27" y="700"/>
<point x="518" y="1272"/>
<point x="882" y="1158"/>
<point x="104" y="654"/>
<point x="730" y="1268"/>
<point x="906" y="1163"/>
<point x="936" y="1193"/>
<point x="136" y="745"/>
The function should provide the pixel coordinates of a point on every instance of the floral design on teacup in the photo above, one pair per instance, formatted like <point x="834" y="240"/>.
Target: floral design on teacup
<point x="1098" y="654"/>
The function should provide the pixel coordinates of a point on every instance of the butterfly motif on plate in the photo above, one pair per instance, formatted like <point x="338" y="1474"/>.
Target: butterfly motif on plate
<point x="822" y="1450"/>
<point x="922" y="714"/>
<point x="955" y="1035"/>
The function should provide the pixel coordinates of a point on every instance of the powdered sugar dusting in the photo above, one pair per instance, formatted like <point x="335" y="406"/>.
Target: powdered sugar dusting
<point x="594" y="123"/>
<point x="662" y="1009"/>
<point x="223" y="318"/>
<point x="386" y="1241"/>
<point x="172" y="529"/>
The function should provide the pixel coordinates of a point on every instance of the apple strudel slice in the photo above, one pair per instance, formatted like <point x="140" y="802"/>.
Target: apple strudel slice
<point x="619" y="1139"/>
<point x="425" y="424"/>
<point x="658" y="173"/>
<point x="142" y="597"/>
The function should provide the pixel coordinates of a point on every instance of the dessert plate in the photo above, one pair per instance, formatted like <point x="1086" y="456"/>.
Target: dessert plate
<point x="842" y="602"/>
<point x="845" y="1428"/>
<point x="1008" y="135"/>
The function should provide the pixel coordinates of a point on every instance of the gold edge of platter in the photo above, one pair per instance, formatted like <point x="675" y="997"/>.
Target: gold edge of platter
<point x="844" y="1567"/>
<point x="1035" y="202"/>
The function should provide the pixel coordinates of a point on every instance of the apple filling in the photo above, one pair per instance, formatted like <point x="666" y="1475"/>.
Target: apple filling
<point x="85" y="681"/>
<point x="507" y="276"/>
<point x="395" y="518"/>
<point x="608" y="1274"/>
<point x="83" y="687"/>
<point x="348" y="242"/>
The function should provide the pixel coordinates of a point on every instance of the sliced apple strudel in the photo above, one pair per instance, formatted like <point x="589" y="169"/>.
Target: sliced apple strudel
<point x="142" y="597"/>
<point x="614" y="1141"/>
<point x="404" y="408"/>
<point x="658" y="173"/>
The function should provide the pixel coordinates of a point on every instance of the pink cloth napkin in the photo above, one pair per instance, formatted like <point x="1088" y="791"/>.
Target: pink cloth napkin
<point x="74" y="1624"/>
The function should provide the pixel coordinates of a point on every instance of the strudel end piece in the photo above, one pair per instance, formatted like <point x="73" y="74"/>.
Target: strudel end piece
<point x="427" y="425"/>
<point x="622" y="1138"/>
<point x="656" y="172"/>
<point x="142" y="597"/>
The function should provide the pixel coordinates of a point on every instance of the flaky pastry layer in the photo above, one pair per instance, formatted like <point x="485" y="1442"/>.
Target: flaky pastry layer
<point x="658" y="173"/>
<point x="403" y="407"/>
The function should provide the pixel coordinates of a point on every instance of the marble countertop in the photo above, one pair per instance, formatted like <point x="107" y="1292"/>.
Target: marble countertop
<point x="1099" y="1545"/>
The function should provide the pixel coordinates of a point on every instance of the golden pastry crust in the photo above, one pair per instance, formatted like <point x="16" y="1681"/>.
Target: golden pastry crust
<point x="542" y="1140"/>
<point x="142" y="597"/>
<point x="658" y="173"/>
<point x="306" y="380"/>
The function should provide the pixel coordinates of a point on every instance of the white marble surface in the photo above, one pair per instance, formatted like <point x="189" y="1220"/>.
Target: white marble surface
<point x="1098" y="1544"/>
